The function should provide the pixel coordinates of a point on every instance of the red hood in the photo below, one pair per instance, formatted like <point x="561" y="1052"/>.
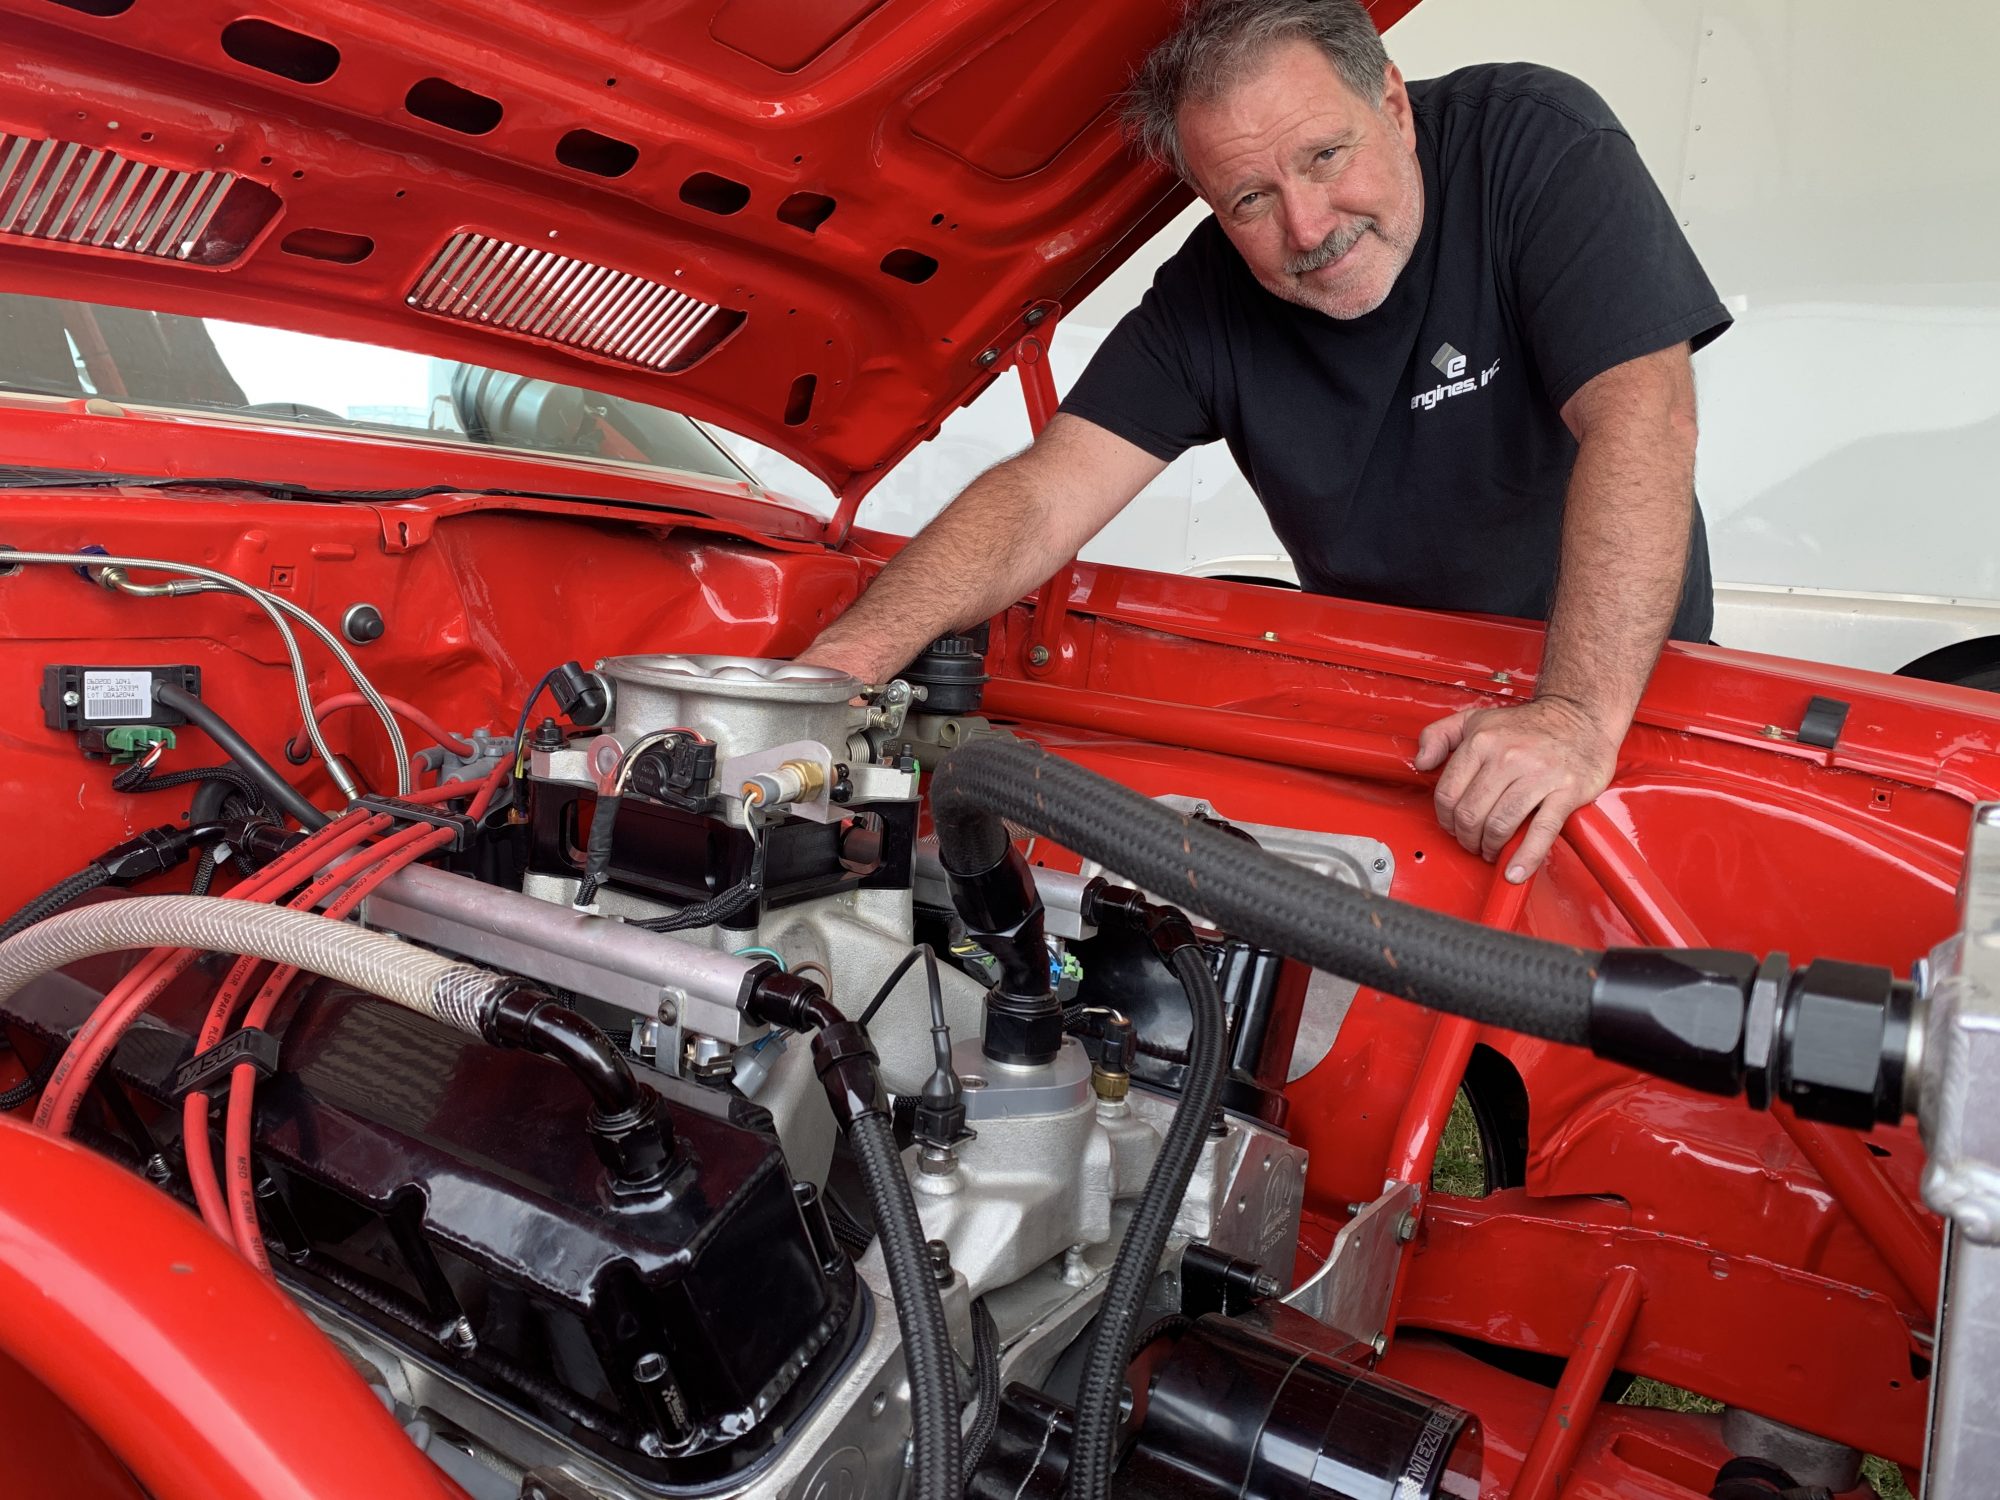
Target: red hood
<point x="805" y="220"/>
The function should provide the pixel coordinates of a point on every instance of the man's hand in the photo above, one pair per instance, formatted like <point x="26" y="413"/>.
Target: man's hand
<point x="1624" y="548"/>
<point x="1546" y="758"/>
<point x="857" y="661"/>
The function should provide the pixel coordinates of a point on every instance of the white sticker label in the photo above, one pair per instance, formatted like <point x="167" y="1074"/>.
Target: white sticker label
<point x="117" y="695"/>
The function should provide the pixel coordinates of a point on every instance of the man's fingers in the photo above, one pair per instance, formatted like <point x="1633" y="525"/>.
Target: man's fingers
<point x="1511" y="810"/>
<point x="1475" y="806"/>
<point x="1439" y="739"/>
<point x="1457" y="774"/>
<point x="1543" y="830"/>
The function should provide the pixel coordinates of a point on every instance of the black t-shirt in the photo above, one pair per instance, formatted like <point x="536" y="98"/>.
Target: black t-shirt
<point x="1417" y="455"/>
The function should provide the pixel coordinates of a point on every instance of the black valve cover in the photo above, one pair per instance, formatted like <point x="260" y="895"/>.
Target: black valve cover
<point x="445" y="1192"/>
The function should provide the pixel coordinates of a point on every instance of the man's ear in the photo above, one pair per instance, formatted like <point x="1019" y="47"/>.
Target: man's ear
<point x="1395" y="105"/>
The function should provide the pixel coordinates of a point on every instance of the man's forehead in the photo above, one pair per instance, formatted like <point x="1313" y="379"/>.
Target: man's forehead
<point x="1290" y="90"/>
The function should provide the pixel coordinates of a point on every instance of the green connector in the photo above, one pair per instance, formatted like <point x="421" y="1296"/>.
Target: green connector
<point x="127" y="742"/>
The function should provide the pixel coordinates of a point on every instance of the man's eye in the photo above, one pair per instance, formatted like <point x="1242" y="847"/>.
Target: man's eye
<point x="1328" y="154"/>
<point x="1246" y="201"/>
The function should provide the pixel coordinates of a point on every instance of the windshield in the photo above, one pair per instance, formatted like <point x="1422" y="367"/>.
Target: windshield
<point x="54" y="347"/>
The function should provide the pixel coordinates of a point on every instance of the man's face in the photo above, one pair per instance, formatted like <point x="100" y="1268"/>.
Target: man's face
<point x="1318" y="189"/>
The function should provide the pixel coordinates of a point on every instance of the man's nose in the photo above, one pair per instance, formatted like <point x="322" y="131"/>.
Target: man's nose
<point x="1309" y="218"/>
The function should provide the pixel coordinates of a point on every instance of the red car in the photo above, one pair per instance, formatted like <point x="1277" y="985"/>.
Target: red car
<point x="483" y="1021"/>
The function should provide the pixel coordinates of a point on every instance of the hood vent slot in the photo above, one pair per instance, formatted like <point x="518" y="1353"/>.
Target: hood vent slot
<point x="614" y="315"/>
<point x="71" y="194"/>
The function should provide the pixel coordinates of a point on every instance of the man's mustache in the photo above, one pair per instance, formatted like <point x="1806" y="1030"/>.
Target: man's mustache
<point x="1330" y="249"/>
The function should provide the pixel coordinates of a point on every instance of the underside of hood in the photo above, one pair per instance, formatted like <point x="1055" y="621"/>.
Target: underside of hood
<point x="806" y="220"/>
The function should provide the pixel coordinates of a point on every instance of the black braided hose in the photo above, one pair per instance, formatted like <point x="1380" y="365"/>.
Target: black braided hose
<point x="55" y="898"/>
<point x="1097" y="1397"/>
<point x="1521" y="984"/>
<point x="926" y="1337"/>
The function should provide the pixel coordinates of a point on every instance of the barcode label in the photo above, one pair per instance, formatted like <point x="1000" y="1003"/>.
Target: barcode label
<point x="117" y="695"/>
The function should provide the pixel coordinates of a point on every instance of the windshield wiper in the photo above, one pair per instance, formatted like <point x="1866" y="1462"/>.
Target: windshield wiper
<point x="16" y="478"/>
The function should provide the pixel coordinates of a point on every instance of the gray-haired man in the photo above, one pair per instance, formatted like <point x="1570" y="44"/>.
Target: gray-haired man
<point x="1444" y="328"/>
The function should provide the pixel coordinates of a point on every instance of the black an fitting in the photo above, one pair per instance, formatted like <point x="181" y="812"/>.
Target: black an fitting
<point x="631" y="1136"/>
<point x="156" y="849"/>
<point x="846" y="1063"/>
<point x="1830" y="1040"/>
<point x="1844" y="1039"/>
<point x="1120" y="907"/>
<point x="1677" y="1013"/>
<point x="1002" y="909"/>
<point x="775" y="998"/>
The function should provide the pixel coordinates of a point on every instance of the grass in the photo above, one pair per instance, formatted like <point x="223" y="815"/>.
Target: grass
<point x="1883" y="1477"/>
<point x="1663" y="1397"/>
<point x="1460" y="1171"/>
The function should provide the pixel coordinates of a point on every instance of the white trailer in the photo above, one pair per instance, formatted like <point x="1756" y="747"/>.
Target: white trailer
<point x="1833" y="163"/>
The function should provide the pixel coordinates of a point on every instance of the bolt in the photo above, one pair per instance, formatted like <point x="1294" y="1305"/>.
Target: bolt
<point x="72" y="698"/>
<point x="1406" y="1227"/>
<point x="1380" y="864"/>
<point x="649" y="1368"/>
<point x="1038" y="656"/>
<point x="1266" y="1285"/>
<point x="670" y="1011"/>
<point x="940" y="1254"/>
<point x="1075" y="1271"/>
<point x="1380" y="1344"/>
<point x="1354" y="1210"/>
<point x="1270" y="635"/>
<point x="1034" y="315"/>
<point x="459" y="1335"/>
<point x="1772" y="732"/>
<point x="989" y="358"/>
<point x="1503" y="678"/>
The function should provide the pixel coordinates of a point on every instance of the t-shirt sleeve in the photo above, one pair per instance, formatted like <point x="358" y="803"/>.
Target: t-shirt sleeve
<point x="1601" y="272"/>
<point x="1141" y="384"/>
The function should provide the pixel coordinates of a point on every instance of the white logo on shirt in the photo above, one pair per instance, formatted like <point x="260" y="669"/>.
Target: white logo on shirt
<point x="1451" y="364"/>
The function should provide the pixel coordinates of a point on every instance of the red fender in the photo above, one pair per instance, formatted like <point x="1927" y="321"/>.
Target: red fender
<point x="197" y="1373"/>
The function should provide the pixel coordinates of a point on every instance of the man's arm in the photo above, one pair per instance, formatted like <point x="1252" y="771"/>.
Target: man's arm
<point x="1626" y="520"/>
<point x="1007" y="532"/>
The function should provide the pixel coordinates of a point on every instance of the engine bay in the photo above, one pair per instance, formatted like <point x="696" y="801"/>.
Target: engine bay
<point x="436" y="1202"/>
<point x="785" y="1080"/>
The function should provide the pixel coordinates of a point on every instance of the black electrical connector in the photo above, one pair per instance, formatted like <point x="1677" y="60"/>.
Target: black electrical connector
<point x="583" y="696"/>
<point x="678" y="771"/>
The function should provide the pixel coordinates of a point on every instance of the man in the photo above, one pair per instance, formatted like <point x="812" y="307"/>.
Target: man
<point x="1444" y="329"/>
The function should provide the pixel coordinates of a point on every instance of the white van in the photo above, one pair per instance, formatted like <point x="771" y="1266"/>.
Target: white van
<point x="1833" y="163"/>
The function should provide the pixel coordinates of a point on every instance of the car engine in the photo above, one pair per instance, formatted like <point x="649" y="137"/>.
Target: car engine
<point x="797" y="1087"/>
<point x="558" y="1300"/>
